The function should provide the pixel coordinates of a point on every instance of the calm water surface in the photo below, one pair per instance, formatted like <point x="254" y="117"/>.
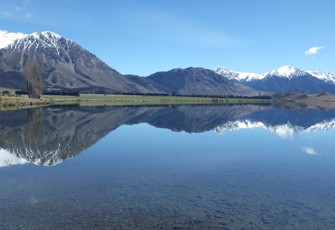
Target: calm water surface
<point x="183" y="167"/>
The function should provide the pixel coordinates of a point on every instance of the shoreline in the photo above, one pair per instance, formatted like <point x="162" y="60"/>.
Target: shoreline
<point x="14" y="103"/>
<point x="295" y="101"/>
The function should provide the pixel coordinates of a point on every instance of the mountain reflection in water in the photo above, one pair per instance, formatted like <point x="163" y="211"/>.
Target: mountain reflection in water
<point x="47" y="136"/>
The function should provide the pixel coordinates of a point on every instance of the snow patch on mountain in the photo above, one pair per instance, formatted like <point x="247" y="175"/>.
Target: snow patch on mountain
<point x="8" y="159"/>
<point x="285" y="131"/>
<point x="240" y="76"/>
<point x="324" y="126"/>
<point x="7" y="38"/>
<point x="236" y="125"/>
<point x="15" y="157"/>
<point x="326" y="76"/>
<point x="14" y="40"/>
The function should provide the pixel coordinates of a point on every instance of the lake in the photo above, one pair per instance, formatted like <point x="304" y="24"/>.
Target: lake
<point x="167" y="167"/>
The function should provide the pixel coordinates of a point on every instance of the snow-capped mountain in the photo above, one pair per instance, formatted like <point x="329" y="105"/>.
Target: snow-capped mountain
<point x="64" y="63"/>
<point x="284" y="79"/>
<point x="286" y="72"/>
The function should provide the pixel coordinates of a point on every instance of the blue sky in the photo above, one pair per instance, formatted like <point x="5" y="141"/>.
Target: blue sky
<point x="145" y="36"/>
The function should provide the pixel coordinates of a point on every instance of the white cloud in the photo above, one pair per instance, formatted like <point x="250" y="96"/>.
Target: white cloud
<point x="313" y="50"/>
<point x="310" y="151"/>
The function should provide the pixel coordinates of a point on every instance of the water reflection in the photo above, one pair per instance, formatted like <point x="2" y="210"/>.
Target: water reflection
<point x="142" y="177"/>
<point x="48" y="136"/>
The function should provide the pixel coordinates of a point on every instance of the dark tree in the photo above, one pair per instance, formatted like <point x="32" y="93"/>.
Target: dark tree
<point x="33" y="76"/>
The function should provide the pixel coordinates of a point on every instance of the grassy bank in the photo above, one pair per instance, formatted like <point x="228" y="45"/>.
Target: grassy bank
<point x="92" y="99"/>
<point x="298" y="100"/>
<point x="13" y="102"/>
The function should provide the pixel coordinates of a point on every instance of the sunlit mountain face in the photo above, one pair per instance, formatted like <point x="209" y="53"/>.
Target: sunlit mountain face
<point x="48" y="136"/>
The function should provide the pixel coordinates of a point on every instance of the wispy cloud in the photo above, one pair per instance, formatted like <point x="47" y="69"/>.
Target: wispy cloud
<point x="310" y="151"/>
<point x="212" y="38"/>
<point x="26" y="2"/>
<point x="17" y="11"/>
<point x="313" y="50"/>
<point x="6" y="14"/>
<point x="170" y="26"/>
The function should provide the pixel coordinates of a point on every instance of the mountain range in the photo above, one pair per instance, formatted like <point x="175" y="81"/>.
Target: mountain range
<point x="66" y="65"/>
<point x="284" y="79"/>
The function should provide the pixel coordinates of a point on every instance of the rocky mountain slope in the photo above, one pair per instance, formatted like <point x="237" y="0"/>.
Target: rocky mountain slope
<point x="64" y="63"/>
<point x="198" y="81"/>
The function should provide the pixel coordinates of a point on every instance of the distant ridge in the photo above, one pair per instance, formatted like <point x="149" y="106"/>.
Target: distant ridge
<point x="199" y="81"/>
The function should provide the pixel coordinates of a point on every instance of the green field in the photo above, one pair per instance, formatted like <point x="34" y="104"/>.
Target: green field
<point x="92" y="99"/>
<point x="18" y="102"/>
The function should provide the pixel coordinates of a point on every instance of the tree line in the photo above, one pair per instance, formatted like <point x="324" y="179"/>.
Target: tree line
<point x="52" y="92"/>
